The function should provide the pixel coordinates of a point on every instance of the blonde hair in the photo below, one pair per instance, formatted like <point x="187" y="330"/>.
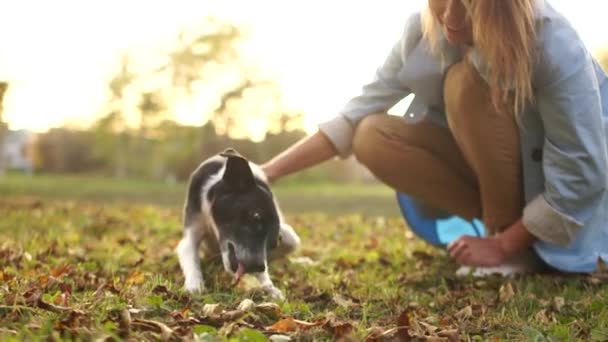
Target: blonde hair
<point x="504" y="33"/>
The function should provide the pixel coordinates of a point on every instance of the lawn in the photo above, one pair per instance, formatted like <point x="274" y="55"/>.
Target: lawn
<point x="101" y="266"/>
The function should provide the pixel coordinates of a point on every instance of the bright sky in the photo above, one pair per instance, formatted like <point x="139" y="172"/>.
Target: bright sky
<point x="59" y="55"/>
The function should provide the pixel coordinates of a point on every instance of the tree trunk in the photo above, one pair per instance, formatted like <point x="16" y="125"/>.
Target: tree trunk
<point x="3" y="127"/>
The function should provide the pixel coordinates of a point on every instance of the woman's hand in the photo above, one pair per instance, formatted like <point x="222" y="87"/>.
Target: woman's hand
<point x="491" y="251"/>
<point x="475" y="251"/>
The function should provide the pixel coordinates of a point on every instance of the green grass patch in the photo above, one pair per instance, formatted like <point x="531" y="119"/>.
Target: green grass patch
<point x="368" y="199"/>
<point x="76" y="270"/>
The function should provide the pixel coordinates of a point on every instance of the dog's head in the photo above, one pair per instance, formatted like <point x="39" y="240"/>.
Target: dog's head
<point x="245" y="215"/>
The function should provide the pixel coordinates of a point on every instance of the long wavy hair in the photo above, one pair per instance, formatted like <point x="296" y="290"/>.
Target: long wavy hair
<point x="504" y="33"/>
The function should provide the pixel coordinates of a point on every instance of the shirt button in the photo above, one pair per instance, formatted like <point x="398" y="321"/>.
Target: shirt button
<point x="537" y="155"/>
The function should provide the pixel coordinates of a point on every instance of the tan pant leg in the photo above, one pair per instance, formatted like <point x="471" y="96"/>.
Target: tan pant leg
<point x="421" y="160"/>
<point x="489" y="142"/>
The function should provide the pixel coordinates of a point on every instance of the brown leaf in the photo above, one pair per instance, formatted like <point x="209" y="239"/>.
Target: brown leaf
<point x="233" y="315"/>
<point x="61" y="271"/>
<point x="271" y="310"/>
<point x="344" y="301"/>
<point x="465" y="313"/>
<point x="160" y="289"/>
<point x="289" y="325"/>
<point x="430" y="329"/>
<point x="135" y="278"/>
<point x="35" y="299"/>
<point x="212" y="309"/>
<point x="506" y="293"/>
<point x="246" y="305"/>
<point x="66" y="288"/>
<point x="558" y="303"/>
<point x="338" y="328"/>
<point x="284" y="325"/>
<point x="542" y="317"/>
<point x="138" y="262"/>
<point x="8" y="331"/>
<point x="452" y="335"/>
<point x="403" y="326"/>
<point x="159" y="327"/>
<point x="124" y="324"/>
<point x="11" y="298"/>
<point x="435" y="339"/>
<point x="376" y="334"/>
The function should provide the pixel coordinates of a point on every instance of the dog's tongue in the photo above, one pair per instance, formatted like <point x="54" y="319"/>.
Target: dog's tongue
<point x="239" y="274"/>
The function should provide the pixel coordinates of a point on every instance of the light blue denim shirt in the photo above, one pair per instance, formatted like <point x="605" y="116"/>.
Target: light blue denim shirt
<point x="563" y="133"/>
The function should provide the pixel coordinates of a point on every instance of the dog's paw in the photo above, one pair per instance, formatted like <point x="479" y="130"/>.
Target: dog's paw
<point x="274" y="293"/>
<point x="194" y="285"/>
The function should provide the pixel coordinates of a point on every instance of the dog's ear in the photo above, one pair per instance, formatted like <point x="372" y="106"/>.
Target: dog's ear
<point x="230" y="152"/>
<point x="238" y="174"/>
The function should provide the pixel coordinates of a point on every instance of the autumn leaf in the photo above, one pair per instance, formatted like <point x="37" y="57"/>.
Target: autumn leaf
<point x="290" y="325"/>
<point x="558" y="303"/>
<point x="403" y="326"/>
<point x="506" y="293"/>
<point x="464" y="314"/>
<point x="135" y="278"/>
<point x="284" y="325"/>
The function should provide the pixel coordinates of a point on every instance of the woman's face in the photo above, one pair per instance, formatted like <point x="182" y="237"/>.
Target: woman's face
<point x="456" y="24"/>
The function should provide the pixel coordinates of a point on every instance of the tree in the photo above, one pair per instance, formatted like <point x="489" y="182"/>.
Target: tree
<point x="3" y="126"/>
<point x="111" y="129"/>
<point x="211" y="57"/>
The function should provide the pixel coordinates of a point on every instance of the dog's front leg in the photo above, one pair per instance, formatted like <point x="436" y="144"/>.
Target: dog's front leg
<point x="187" y="252"/>
<point x="268" y="286"/>
<point x="289" y="241"/>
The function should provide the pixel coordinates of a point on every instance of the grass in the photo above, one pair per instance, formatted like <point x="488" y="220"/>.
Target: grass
<point x="106" y="270"/>
<point x="369" y="199"/>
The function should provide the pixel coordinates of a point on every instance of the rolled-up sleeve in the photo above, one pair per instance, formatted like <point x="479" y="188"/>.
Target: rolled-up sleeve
<point x="379" y="95"/>
<point x="574" y="152"/>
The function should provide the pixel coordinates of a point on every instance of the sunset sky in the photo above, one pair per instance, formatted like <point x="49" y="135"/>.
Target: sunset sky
<point x="59" y="55"/>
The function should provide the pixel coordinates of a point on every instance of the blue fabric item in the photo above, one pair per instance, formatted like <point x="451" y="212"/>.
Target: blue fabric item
<point x="437" y="231"/>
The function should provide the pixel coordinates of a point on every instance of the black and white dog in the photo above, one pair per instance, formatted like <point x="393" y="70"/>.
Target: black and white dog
<point x="231" y="210"/>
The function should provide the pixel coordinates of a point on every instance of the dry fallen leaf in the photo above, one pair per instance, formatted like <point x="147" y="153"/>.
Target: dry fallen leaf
<point x="246" y="305"/>
<point x="289" y="325"/>
<point x="233" y="315"/>
<point x="541" y="316"/>
<point x="558" y="303"/>
<point x="403" y="326"/>
<point x="344" y="302"/>
<point x="506" y="293"/>
<point x="271" y="310"/>
<point x="135" y="278"/>
<point x="452" y="335"/>
<point x="338" y="328"/>
<point x="212" y="309"/>
<point x="430" y="329"/>
<point x="464" y="314"/>
<point x="306" y="261"/>
<point x="435" y="339"/>
<point x="284" y="325"/>
<point x="159" y="327"/>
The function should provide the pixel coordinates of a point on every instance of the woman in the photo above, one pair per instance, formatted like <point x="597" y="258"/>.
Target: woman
<point x="508" y="124"/>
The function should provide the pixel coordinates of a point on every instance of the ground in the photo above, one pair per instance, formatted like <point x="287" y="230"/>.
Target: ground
<point x="74" y="266"/>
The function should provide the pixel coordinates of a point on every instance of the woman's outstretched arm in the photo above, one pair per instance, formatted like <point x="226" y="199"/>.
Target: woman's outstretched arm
<point x="306" y="153"/>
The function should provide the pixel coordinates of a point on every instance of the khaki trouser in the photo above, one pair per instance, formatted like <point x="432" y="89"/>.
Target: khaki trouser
<point x="472" y="169"/>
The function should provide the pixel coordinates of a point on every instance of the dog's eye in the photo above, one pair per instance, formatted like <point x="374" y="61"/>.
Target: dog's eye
<point x="256" y="216"/>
